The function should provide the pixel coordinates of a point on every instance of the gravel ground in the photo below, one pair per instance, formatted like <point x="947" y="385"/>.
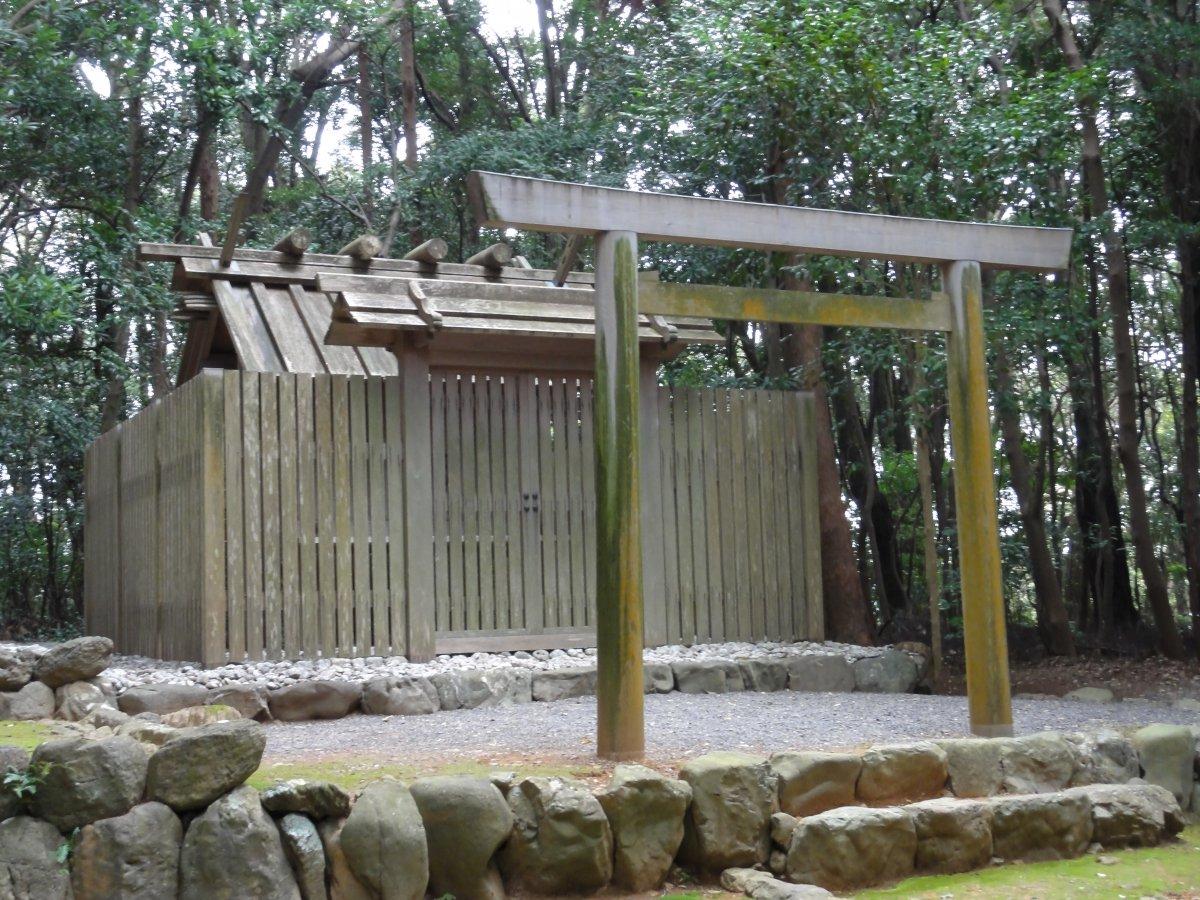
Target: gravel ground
<point x="684" y="725"/>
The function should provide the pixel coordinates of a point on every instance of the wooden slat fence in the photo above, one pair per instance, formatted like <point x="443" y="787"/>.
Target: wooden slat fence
<point x="256" y="515"/>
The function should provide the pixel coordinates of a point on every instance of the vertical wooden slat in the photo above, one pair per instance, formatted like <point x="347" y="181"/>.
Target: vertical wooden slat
<point x="441" y="525"/>
<point x="589" y="497"/>
<point x="683" y="517"/>
<point x="326" y="548"/>
<point x="547" y="501"/>
<point x="666" y="460"/>
<point x="697" y="521"/>
<point x="289" y="524"/>
<point x="166" y="494"/>
<point x="413" y="367"/>
<point x="575" y="512"/>
<point x="514" y="514"/>
<point x="798" y="498"/>
<point x="252" y="490"/>
<point x="269" y="386"/>
<point x="454" y="501"/>
<point x="501" y="496"/>
<point x="343" y="492"/>
<point x="562" y="502"/>
<point x="529" y="441"/>
<point x="212" y="649"/>
<point x="654" y="615"/>
<point x="712" y="516"/>
<point x="235" y="578"/>
<point x="360" y="482"/>
<point x="814" y="604"/>
<point x="787" y="487"/>
<point x="470" y="506"/>
<point x="767" y="486"/>
<point x="483" y="503"/>
<point x="378" y="497"/>
<point x="306" y="511"/>
<point x="397" y="591"/>
<point x="741" y="553"/>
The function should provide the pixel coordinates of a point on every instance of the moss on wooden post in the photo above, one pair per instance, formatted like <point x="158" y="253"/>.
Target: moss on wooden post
<point x="984" y="637"/>
<point x="620" y="721"/>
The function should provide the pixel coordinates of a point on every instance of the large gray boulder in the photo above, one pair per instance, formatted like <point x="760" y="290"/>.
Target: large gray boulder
<point x="759" y="885"/>
<point x="305" y="853"/>
<point x="195" y="716"/>
<point x="952" y="835"/>
<point x="34" y="701"/>
<point x="973" y="765"/>
<point x="562" y="684"/>
<point x="315" y="799"/>
<point x="161" y="698"/>
<point x="29" y="866"/>
<point x="248" y="699"/>
<point x="561" y="842"/>
<point x="1040" y="826"/>
<point x="1166" y="754"/>
<point x="147" y="731"/>
<point x="764" y="673"/>
<point x="384" y="842"/>
<point x="896" y="773"/>
<point x="1103" y="758"/>
<point x="16" y="669"/>
<point x="466" y="821"/>
<point x="820" y="673"/>
<point x="87" y="780"/>
<point x="314" y="700"/>
<point x="75" y="660"/>
<point x="657" y="678"/>
<point x="810" y="783"/>
<point x="401" y="695"/>
<point x="852" y="847"/>
<point x="233" y="851"/>
<point x="890" y="672"/>
<point x="342" y="883"/>
<point x="645" y="811"/>
<point x="699" y="676"/>
<point x="1131" y="815"/>
<point x="1037" y="763"/>
<point x="12" y="759"/>
<point x="728" y="824"/>
<point x="200" y="764"/>
<point x="72" y="702"/>
<point x="474" y="688"/>
<point x="131" y="856"/>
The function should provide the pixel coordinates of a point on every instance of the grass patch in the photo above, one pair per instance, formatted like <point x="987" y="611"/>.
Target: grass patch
<point x="352" y="772"/>
<point x="1171" y="869"/>
<point x="26" y="735"/>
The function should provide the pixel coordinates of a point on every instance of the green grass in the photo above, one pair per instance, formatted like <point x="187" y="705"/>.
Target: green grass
<point x="1173" y="868"/>
<point x="26" y="735"/>
<point x="352" y="773"/>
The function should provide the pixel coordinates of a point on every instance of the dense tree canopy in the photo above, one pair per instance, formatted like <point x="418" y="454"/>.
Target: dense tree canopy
<point x="134" y="121"/>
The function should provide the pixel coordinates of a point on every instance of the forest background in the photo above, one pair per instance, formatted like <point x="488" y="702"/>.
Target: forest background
<point x="131" y="121"/>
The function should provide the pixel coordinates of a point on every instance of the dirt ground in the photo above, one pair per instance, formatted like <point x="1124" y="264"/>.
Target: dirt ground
<point x="1153" y="678"/>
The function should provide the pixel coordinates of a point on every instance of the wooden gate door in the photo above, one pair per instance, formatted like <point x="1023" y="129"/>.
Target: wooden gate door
<point x="513" y="511"/>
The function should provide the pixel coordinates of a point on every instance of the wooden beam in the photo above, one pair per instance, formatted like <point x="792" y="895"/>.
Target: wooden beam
<point x="495" y="257"/>
<point x="535" y="204"/>
<point x="431" y="252"/>
<point x="712" y="301"/>
<point x="363" y="248"/>
<point x="237" y="216"/>
<point x="984" y="638"/>
<point x="619" y="700"/>
<point x="295" y="242"/>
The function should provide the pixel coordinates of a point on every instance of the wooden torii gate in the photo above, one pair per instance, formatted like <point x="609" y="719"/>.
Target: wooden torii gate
<point x="617" y="218"/>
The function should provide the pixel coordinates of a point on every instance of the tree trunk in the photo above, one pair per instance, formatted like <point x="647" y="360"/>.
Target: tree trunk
<point x="1120" y="308"/>
<point x="365" y="130"/>
<point x="545" y="11"/>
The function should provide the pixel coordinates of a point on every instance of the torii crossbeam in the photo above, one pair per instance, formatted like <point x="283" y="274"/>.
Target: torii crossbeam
<point x="617" y="218"/>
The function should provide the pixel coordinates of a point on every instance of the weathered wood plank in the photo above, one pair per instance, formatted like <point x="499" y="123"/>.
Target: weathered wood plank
<point x="512" y="503"/>
<point x="741" y="550"/>
<point x="479" y="642"/>
<point x="272" y="503"/>
<point x="529" y="437"/>
<point x="683" y="516"/>
<point x="212" y="605"/>
<point x="324" y="439"/>
<point x="289" y="335"/>
<point x="588" y="440"/>
<point x="712" y="515"/>
<point x="541" y="205"/>
<point x="289" y="521"/>
<point x="306" y="514"/>
<point x="562" y="502"/>
<point x="653" y="567"/>
<point x="814" y="606"/>
<point x="235" y="578"/>
<point x="251" y="337"/>
<point x="483" y="502"/>
<point x="413" y="367"/>
<point x="454" y="495"/>
<point x="316" y="312"/>
<point x="397" y="600"/>
<point x="470" y="505"/>
<point x="729" y="528"/>
<point x="713" y="301"/>
<point x="769" y="488"/>
<point x="501" y="494"/>
<point x="441" y="525"/>
<point x="575" y="507"/>
<point x="547" y="501"/>
<point x="343" y="492"/>
<point x="697" y="518"/>
<point x="753" y="437"/>
<point x="378" y="497"/>
<point x="666" y="487"/>
<point x="252" y="481"/>
<point x="360" y="516"/>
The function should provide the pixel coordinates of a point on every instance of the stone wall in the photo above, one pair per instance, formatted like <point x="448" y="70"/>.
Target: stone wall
<point x="167" y="813"/>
